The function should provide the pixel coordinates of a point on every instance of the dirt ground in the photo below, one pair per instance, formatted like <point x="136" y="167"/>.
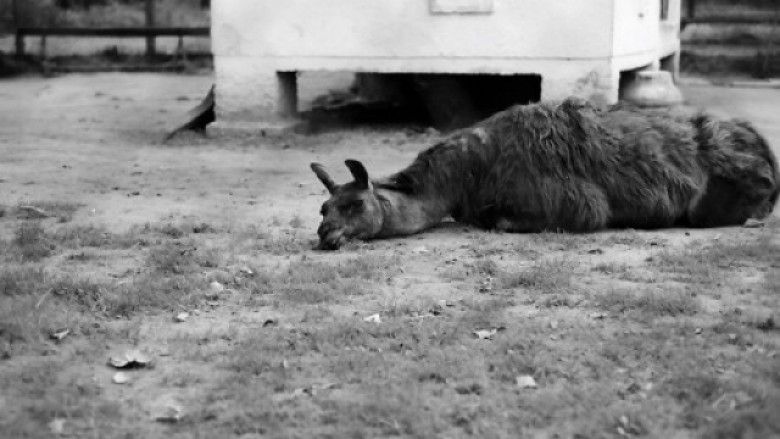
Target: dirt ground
<point x="626" y="333"/>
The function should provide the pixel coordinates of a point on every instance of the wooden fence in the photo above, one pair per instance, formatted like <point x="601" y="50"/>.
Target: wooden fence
<point x="150" y="33"/>
<point x="767" y="62"/>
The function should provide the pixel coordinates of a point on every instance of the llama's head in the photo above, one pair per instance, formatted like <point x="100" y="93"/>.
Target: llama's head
<point x="353" y="210"/>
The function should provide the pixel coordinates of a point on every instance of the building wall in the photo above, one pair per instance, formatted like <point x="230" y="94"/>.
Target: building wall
<point x="577" y="29"/>
<point x="640" y="37"/>
<point x="569" y="42"/>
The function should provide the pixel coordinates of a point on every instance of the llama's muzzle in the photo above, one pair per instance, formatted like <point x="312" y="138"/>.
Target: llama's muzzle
<point x="331" y="237"/>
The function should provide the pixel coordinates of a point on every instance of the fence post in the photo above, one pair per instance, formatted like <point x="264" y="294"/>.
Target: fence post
<point x="19" y="43"/>
<point x="16" y="16"/>
<point x="151" y="49"/>
<point x="691" y="9"/>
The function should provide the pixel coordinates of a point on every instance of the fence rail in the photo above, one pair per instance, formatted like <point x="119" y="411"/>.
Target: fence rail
<point x="725" y="19"/>
<point x="118" y="32"/>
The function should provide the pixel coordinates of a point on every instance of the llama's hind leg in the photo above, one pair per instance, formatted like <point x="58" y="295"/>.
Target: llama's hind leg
<point x="725" y="204"/>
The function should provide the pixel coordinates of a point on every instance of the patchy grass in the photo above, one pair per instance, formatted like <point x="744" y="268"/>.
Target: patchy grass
<point x="156" y="292"/>
<point x="51" y="391"/>
<point x="649" y="302"/>
<point x="701" y="262"/>
<point x="611" y="268"/>
<point x="342" y="377"/>
<point x="275" y="242"/>
<point x="313" y="282"/>
<point x="321" y="371"/>
<point x="63" y="211"/>
<point x="174" y="229"/>
<point x="79" y="236"/>
<point x="34" y="304"/>
<point x="546" y="276"/>
<point x="628" y="237"/>
<point x="31" y="242"/>
<point x="21" y="280"/>
<point x="561" y="240"/>
<point x="36" y="300"/>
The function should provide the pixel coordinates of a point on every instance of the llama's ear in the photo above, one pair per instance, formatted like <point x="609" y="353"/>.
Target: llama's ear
<point x="359" y="173"/>
<point x="324" y="177"/>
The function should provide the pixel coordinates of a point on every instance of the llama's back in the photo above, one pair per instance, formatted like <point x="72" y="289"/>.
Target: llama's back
<point x="569" y="166"/>
<point x="584" y="168"/>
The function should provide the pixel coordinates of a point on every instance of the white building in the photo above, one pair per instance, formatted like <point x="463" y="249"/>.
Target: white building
<point x="578" y="47"/>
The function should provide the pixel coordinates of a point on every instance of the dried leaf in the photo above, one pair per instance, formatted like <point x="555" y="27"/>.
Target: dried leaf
<point x="485" y="334"/>
<point x="60" y="334"/>
<point x="142" y="358"/>
<point x="119" y="362"/>
<point x="181" y="317"/>
<point x="597" y="315"/>
<point x="526" y="382"/>
<point x="298" y="392"/>
<point x="321" y="386"/>
<point x="374" y="318"/>
<point x="554" y="324"/>
<point x="120" y="378"/>
<point x="217" y="287"/>
<point x="420" y="250"/>
<point x="131" y="358"/>
<point x="269" y="322"/>
<point x="171" y="412"/>
<point x="596" y="251"/>
<point x="57" y="426"/>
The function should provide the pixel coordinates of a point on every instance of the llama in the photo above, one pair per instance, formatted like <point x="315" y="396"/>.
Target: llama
<point x="564" y="167"/>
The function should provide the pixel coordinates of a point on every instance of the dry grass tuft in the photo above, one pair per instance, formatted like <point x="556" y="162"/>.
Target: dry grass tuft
<point x="706" y="263"/>
<point x="313" y="282"/>
<point x="649" y="302"/>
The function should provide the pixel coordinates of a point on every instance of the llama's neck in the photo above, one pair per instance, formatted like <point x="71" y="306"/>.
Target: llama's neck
<point x="433" y="186"/>
<point x="408" y="214"/>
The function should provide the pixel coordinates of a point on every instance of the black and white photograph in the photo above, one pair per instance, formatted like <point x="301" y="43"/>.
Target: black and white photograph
<point x="422" y="219"/>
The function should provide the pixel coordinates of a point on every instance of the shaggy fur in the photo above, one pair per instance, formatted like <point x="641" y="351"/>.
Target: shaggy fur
<point x="571" y="167"/>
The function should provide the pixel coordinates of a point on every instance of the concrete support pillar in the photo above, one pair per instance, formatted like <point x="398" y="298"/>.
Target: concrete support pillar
<point x="253" y="91"/>
<point x="671" y="64"/>
<point x="287" y="94"/>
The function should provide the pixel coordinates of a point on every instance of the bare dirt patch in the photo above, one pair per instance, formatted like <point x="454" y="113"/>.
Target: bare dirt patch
<point x="199" y="254"/>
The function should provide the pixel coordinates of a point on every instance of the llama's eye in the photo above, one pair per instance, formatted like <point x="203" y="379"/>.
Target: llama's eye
<point x="351" y="206"/>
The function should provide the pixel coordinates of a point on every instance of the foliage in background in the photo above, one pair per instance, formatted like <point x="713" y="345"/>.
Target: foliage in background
<point x="102" y="13"/>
